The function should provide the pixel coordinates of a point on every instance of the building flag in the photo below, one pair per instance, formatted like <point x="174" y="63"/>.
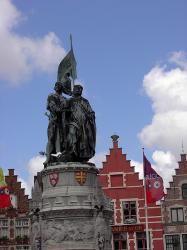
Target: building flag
<point x="5" y="201"/>
<point x="153" y="182"/>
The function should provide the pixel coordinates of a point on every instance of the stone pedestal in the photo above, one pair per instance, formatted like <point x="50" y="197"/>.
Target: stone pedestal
<point x="74" y="212"/>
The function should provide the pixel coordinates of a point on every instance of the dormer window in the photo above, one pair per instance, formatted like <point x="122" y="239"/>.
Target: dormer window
<point x="184" y="191"/>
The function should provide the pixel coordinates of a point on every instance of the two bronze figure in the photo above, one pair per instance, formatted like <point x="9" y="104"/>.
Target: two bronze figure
<point x="71" y="129"/>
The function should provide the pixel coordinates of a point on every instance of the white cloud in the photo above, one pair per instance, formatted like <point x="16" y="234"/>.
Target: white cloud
<point x="166" y="131"/>
<point x="166" y="86"/>
<point x="9" y="17"/>
<point x="162" y="162"/>
<point x="34" y="165"/>
<point x="179" y="58"/>
<point x="167" y="89"/>
<point x="165" y="163"/>
<point x="138" y="167"/>
<point x="98" y="159"/>
<point x="24" y="55"/>
<point x="25" y="185"/>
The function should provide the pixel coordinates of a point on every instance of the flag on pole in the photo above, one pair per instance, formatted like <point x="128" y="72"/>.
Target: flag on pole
<point x="153" y="182"/>
<point x="67" y="71"/>
<point x="4" y="192"/>
<point x="67" y="67"/>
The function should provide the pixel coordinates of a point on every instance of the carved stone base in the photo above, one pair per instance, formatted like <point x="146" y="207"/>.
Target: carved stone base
<point x="74" y="213"/>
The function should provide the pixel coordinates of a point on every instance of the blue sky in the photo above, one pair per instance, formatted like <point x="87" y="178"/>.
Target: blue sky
<point x="131" y="60"/>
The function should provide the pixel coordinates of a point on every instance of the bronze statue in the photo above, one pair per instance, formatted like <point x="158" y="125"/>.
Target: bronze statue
<point x="56" y="104"/>
<point x="81" y="136"/>
<point x="71" y="129"/>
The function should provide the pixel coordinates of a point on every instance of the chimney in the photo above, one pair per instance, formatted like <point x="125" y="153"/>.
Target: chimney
<point x="183" y="157"/>
<point x="11" y="172"/>
<point x="115" y="140"/>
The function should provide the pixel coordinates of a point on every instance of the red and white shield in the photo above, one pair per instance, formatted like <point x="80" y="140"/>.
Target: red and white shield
<point x="53" y="178"/>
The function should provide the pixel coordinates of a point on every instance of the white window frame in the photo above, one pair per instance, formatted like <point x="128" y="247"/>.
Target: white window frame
<point x="137" y="210"/>
<point x="176" y="208"/>
<point x="116" y="173"/>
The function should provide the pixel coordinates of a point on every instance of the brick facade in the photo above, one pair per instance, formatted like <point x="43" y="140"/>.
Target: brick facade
<point x="122" y="185"/>
<point x="14" y="221"/>
<point x="174" y="209"/>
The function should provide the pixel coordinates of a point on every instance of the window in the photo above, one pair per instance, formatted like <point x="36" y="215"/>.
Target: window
<point x="22" y="227"/>
<point x="25" y="223"/>
<point x="112" y="204"/>
<point x="3" y="228"/>
<point x="4" y="232"/>
<point x="173" y="242"/>
<point x="22" y="223"/>
<point x="22" y="231"/>
<point x="3" y="248"/>
<point x="129" y="212"/>
<point x="3" y="223"/>
<point x="18" y="231"/>
<point x="18" y="223"/>
<point x="184" y="241"/>
<point x="141" y="241"/>
<point x="116" y="180"/>
<point x="184" y="191"/>
<point x="120" y="241"/>
<point x="177" y="214"/>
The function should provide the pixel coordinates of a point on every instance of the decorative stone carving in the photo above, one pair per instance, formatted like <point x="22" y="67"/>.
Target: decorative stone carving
<point x="57" y="231"/>
<point x="73" y="216"/>
<point x="102" y="234"/>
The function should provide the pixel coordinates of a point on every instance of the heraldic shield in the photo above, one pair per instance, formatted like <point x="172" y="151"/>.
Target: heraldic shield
<point x="80" y="177"/>
<point x="53" y="178"/>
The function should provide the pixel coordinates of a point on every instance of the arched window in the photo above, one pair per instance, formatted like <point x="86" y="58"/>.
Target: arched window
<point x="184" y="191"/>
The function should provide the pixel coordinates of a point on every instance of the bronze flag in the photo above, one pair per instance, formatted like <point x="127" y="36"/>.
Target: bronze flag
<point x="67" y="66"/>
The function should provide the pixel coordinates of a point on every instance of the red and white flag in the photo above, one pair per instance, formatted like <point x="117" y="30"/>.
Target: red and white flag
<point x="4" y="192"/>
<point x="153" y="182"/>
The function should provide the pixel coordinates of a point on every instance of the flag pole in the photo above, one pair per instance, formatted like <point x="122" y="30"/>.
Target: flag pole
<point x="146" y="208"/>
<point x="71" y="46"/>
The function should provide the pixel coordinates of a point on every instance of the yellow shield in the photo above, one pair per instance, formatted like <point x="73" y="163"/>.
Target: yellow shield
<point x="80" y="177"/>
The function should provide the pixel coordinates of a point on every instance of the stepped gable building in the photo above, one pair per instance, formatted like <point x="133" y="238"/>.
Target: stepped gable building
<point x="174" y="209"/>
<point x="122" y="185"/>
<point x="14" y="221"/>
